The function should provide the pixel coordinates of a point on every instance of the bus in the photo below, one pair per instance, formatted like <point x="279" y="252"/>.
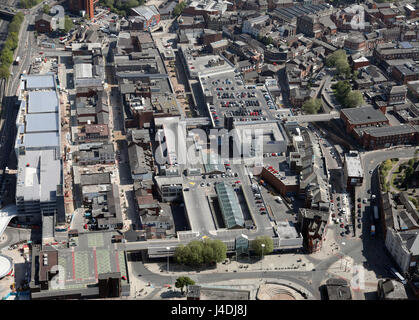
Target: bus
<point x="17" y="61"/>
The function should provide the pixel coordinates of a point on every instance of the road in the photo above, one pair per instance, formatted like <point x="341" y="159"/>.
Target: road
<point x="25" y="51"/>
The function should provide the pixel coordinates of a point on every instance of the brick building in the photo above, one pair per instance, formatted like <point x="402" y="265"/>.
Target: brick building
<point x="83" y="5"/>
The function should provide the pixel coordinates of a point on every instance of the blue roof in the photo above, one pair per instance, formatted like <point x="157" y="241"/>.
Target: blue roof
<point x="42" y="101"/>
<point x="41" y="122"/>
<point x="42" y="140"/>
<point x="406" y="45"/>
<point x="45" y="81"/>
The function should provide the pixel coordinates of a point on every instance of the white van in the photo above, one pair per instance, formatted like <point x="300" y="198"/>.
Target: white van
<point x="278" y="199"/>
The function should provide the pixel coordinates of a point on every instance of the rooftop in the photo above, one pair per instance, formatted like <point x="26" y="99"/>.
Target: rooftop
<point x="364" y="115"/>
<point x="42" y="101"/>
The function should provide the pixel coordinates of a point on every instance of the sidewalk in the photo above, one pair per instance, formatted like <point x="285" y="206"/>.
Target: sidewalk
<point x="288" y="261"/>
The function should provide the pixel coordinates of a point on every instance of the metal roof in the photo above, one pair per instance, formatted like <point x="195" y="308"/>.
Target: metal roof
<point x="41" y="140"/>
<point x="42" y="101"/>
<point x="45" y="81"/>
<point x="41" y="122"/>
<point x="229" y="204"/>
<point x="39" y="173"/>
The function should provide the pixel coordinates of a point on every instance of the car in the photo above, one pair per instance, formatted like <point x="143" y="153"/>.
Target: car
<point x="359" y="210"/>
<point x="202" y="184"/>
<point x="238" y="181"/>
<point x="342" y="234"/>
<point x="333" y="215"/>
<point x="359" y="199"/>
<point x="359" y="205"/>
<point x="347" y="231"/>
<point x="262" y="209"/>
<point x="370" y="172"/>
<point x="359" y="226"/>
<point x="369" y="191"/>
<point x="342" y="225"/>
<point x="208" y="184"/>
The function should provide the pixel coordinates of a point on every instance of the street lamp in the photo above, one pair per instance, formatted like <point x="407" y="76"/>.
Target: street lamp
<point x="168" y="249"/>
<point x="261" y="263"/>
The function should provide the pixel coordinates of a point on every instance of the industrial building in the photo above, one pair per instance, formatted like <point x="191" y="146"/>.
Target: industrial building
<point x="39" y="190"/>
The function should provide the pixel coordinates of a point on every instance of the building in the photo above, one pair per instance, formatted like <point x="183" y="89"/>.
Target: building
<point x="337" y="289"/>
<point x="145" y="17"/>
<point x="253" y="26"/>
<point x="387" y="136"/>
<point x="388" y="289"/>
<point x="43" y="23"/>
<point x="353" y="171"/>
<point x="229" y="205"/>
<point x="405" y="73"/>
<point x="88" y="6"/>
<point x="404" y="248"/>
<point x="90" y="267"/>
<point x="313" y="226"/>
<point x="94" y="153"/>
<point x="39" y="186"/>
<point x="362" y="117"/>
<point x="396" y="95"/>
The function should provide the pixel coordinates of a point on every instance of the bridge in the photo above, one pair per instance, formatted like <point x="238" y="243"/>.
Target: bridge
<point x="204" y="121"/>
<point x="315" y="117"/>
<point x="7" y="13"/>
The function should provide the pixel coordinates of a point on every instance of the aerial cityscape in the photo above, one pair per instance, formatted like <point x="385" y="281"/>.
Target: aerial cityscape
<point x="215" y="150"/>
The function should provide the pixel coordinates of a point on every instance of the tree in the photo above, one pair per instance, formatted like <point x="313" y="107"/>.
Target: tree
<point x="68" y="24"/>
<point x="342" y="89"/>
<point x="342" y="66"/>
<point x="353" y="99"/>
<point x="198" y="253"/>
<point x="411" y="162"/>
<point x="131" y="4"/>
<point x="312" y="106"/>
<point x="257" y="245"/>
<point x="6" y="56"/>
<point x="46" y="8"/>
<point x="182" y="282"/>
<point x="4" y="72"/>
<point x="335" y="56"/>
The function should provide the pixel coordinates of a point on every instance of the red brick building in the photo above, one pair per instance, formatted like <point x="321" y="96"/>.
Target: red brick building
<point x="87" y="5"/>
<point x="43" y="23"/>
<point x="362" y="117"/>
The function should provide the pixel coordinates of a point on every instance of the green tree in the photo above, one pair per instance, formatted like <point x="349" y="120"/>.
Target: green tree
<point x="256" y="245"/>
<point x="342" y="90"/>
<point x="353" y="99"/>
<point x="411" y="162"/>
<point x="131" y="4"/>
<point x="219" y="250"/>
<point x="68" y="24"/>
<point x="6" y="56"/>
<point x="182" y="282"/>
<point x="4" y="72"/>
<point x="46" y="8"/>
<point x="312" y="106"/>
<point x="198" y="253"/>
<point x="335" y="56"/>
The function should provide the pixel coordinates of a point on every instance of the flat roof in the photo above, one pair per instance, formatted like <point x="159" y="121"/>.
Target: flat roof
<point x="390" y="130"/>
<point x="364" y="115"/>
<point x="39" y="173"/>
<point x="353" y="165"/>
<point x="42" y="101"/>
<point x="41" y="122"/>
<point x="6" y="265"/>
<point x="46" y="81"/>
<point x="41" y="139"/>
